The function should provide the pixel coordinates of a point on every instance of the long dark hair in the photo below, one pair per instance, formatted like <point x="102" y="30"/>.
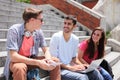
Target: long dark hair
<point x="100" y="47"/>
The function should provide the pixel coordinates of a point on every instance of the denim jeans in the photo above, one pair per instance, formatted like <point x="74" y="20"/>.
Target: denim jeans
<point x="69" y="75"/>
<point x="105" y="74"/>
<point x="95" y="75"/>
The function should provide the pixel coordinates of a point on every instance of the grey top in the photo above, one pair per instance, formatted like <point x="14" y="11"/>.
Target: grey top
<point x="14" y="41"/>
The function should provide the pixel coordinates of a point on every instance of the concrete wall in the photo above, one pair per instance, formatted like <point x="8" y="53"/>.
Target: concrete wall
<point x="111" y="10"/>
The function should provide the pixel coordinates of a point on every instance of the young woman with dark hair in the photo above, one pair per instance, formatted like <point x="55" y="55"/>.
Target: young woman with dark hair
<point x="92" y="49"/>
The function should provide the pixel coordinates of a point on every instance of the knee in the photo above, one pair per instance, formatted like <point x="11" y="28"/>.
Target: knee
<point x="83" y="77"/>
<point x="19" y="68"/>
<point x="97" y="75"/>
<point x="56" y="70"/>
<point x="57" y="67"/>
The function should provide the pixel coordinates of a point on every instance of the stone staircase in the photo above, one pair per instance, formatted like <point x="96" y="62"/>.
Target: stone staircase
<point x="11" y="12"/>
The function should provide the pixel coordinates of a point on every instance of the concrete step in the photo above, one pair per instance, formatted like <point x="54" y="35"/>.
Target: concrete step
<point x="3" y="42"/>
<point x="19" y="9"/>
<point x="13" y="13"/>
<point x="116" y="71"/>
<point x="47" y="33"/>
<point x="15" y="3"/>
<point x="1" y="73"/>
<point x="6" y="12"/>
<point x="3" y="55"/>
<point x="81" y="38"/>
<point x="10" y="18"/>
<point x="7" y="1"/>
<point x="16" y="8"/>
<point x="22" y="4"/>
<point x="112" y="57"/>
<point x="107" y="50"/>
<point x="46" y="26"/>
<point x="6" y="24"/>
<point x="54" y="26"/>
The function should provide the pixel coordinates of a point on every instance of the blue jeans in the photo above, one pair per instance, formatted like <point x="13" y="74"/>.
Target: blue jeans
<point x="69" y="75"/>
<point x="105" y="74"/>
<point x="95" y="75"/>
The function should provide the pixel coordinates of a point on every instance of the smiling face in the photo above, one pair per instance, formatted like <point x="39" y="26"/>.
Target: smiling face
<point x="96" y="36"/>
<point x="68" y="26"/>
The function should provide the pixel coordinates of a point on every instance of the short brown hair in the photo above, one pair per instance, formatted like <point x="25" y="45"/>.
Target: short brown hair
<point x="30" y="13"/>
<point x="73" y="18"/>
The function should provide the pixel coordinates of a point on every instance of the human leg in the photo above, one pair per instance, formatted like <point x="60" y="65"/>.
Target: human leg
<point x="55" y="73"/>
<point x="69" y="75"/>
<point x="19" y="71"/>
<point x="95" y="75"/>
<point x="105" y="74"/>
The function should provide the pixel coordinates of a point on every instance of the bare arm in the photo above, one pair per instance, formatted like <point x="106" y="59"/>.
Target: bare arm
<point x="79" y="57"/>
<point x="15" y="57"/>
<point x="73" y="66"/>
<point x="48" y="55"/>
<point x="46" y="52"/>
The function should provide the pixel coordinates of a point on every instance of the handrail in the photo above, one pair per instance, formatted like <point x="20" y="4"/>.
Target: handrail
<point x="86" y="9"/>
<point x="86" y="17"/>
<point x="90" y="11"/>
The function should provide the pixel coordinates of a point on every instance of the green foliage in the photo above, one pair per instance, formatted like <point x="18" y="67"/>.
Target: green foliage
<point x="108" y="34"/>
<point x="26" y="1"/>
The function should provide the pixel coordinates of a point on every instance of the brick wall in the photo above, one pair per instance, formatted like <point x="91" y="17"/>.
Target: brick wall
<point x="83" y="17"/>
<point x="90" y="4"/>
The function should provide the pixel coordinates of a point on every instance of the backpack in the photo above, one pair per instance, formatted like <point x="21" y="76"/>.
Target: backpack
<point x="33" y="74"/>
<point x="104" y="64"/>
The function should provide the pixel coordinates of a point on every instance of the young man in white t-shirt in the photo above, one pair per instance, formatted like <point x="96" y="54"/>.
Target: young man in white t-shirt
<point x="63" y="45"/>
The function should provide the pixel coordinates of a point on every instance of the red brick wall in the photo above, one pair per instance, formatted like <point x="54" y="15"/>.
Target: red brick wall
<point x="83" y="17"/>
<point x="90" y="4"/>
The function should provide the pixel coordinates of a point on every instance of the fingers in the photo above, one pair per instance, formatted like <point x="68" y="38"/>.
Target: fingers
<point x="47" y="65"/>
<point x="55" y="59"/>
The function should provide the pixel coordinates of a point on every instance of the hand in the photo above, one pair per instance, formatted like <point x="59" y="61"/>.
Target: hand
<point x="53" y="63"/>
<point x="45" y="65"/>
<point x="55" y="59"/>
<point x="76" y="67"/>
<point x="86" y="65"/>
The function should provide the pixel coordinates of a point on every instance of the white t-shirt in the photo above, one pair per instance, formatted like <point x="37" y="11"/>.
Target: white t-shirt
<point x="65" y="51"/>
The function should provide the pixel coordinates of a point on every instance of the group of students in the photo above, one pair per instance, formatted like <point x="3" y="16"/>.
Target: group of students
<point x="24" y="41"/>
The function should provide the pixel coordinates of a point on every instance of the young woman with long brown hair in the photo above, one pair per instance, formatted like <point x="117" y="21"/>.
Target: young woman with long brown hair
<point x="92" y="49"/>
